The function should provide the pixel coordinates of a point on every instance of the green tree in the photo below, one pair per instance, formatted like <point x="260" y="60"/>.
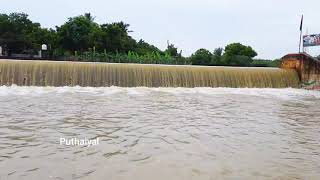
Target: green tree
<point x="76" y="34"/>
<point x="143" y="48"/>
<point x="172" y="50"/>
<point x="201" y="57"/>
<point x="218" y="51"/>
<point x="217" y="57"/>
<point x="115" y="38"/>
<point x="238" y="54"/>
<point x="18" y="34"/>
<point x="82" y="37"/>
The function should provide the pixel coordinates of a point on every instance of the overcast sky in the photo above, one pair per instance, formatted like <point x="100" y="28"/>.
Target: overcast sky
<point x="271" y="27"/>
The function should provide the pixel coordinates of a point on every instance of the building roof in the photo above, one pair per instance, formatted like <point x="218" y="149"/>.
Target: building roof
<point x="301" y="55"/>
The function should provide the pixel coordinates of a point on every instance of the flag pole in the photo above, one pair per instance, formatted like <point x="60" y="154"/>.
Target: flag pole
<point x="301" y="25"/>
<point x="300" y="42"/>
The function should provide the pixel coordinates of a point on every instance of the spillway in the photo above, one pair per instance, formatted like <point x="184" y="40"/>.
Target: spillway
<point x="52" y="73"/>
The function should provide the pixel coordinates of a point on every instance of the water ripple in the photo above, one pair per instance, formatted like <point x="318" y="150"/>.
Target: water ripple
<point x="163" y="133"/>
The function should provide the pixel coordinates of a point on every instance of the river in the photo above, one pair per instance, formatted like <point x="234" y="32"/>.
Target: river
<point x="159" y="133"/>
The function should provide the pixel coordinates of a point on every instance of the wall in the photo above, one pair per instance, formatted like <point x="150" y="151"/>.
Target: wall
<point x="308" y="69"/>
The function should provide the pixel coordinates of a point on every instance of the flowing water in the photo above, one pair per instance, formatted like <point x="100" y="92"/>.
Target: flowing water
<point x="49" y="73"/>
<point x="159" y="133"/>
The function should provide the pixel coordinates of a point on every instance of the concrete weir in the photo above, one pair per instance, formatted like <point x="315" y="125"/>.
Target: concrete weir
<point x="307" y="67"/>
<point x="52" y="73"/>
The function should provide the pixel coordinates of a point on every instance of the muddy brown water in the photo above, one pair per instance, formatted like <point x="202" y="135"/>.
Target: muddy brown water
<point x="159" y="133"/>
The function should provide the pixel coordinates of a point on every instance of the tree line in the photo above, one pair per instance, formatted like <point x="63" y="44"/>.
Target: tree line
<point x="82" y="39"/>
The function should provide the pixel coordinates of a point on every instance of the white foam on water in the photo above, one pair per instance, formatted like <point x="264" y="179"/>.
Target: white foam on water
<point x="139" y="91"/>
<point x="21" y="91"/>
<point x="283" y="94"/>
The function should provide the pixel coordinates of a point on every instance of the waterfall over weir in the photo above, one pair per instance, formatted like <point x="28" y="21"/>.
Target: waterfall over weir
<point x="50" y="73"/>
